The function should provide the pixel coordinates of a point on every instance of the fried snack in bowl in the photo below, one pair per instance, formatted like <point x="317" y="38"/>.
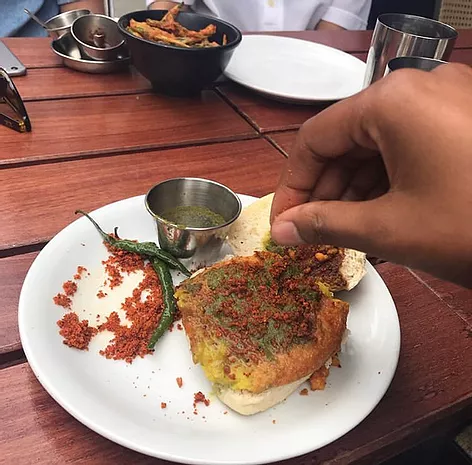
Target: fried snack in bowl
<point x="181" y="53"/>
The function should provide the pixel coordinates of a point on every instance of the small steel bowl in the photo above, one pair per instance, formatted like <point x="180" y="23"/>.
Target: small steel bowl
<point x="98" y="37"/>
<point x="187" y="242"/>
<point x="59" y="25"/>
<point x="66" y="48"/>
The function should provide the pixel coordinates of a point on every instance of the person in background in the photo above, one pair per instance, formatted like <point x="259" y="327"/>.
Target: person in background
<point x="14" y="22"/>
<point x="281" y="15"/>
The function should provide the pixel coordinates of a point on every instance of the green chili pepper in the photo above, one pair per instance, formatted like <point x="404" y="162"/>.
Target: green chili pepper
<point x="148" y="249"/>
<point x="168" y="313"/>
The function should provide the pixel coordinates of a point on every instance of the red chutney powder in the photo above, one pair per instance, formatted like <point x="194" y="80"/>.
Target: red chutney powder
<point x="70" y="288"/>
<point x="62" y="300"/>
<point x="120" y="261"/>
<point x="143" y="314"/>
<point x="76" y="333"/>
<point x="200" y="397"/>
<point x="101" y="294"/>
<point x="80" y="270"/>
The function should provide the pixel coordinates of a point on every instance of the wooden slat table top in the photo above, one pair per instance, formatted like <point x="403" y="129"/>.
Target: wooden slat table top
<point x="283" y="140"/>
<point x="100" y="125"/>
<point x="456" y="297"/>
<point x="39" y="200"/>
<point x="33" y="52"/>
<point x="53" y="83"/>
<point x="98" y="139"/>
<point x="432" y="382"/>
<point x="12" y="274"/>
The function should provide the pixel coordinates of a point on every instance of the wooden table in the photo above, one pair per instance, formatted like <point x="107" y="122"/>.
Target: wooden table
<point x="98" y="139"/>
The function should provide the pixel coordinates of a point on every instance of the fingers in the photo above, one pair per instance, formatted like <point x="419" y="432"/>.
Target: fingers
<point x="366" y="180"/>
<point x="367" y="226"/>
<point x="324" y="138"/>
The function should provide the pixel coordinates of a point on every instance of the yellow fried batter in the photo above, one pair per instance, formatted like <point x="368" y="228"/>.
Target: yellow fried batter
<point x="253" y="326"/>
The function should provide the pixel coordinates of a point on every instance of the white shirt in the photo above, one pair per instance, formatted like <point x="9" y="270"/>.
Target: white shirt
<point x="285" y="15"/>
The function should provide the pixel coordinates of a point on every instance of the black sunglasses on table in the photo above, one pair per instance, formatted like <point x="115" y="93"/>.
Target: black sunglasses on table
<point x="13" y="113"/>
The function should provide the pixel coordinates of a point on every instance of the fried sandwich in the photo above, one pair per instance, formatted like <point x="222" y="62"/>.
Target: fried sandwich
<point x="338" y="268"/>
<point x="259" y="329"/>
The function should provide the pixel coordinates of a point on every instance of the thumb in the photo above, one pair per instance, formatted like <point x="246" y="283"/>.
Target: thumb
<point x="357" y="225"/>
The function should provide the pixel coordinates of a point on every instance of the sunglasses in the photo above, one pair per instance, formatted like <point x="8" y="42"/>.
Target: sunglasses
<point x="15" y="115"/>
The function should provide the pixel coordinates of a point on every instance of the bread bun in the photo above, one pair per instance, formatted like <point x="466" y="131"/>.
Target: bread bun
<point x="251" y="232"/>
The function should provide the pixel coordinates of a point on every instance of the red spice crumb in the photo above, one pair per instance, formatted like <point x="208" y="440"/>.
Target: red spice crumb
<point x="80" y="270"/>
<point x="70" y="288"/>
<point x="225" y="412"/>
<point x="163" y="405"/>
<point x="273" y="422"/>
<point x="195" y="412"/>
<point x="179" y="327"/>
<point x="179" y="382"/>
<point x="200" y="397"/>
<point x="131" y="342"/>
<point x="101" y="294"/>
<point x="121" y="261"/>
<point x="76" y="333"/>
<point x="62" y="300"/>
<point x="304" y="392"/>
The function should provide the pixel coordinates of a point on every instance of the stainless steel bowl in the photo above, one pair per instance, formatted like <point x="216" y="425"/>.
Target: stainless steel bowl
<point x="61" y="24"/>
<point x="186" y="242"/>
<point x="66" y="47"/>
<point x="98" y="37"/>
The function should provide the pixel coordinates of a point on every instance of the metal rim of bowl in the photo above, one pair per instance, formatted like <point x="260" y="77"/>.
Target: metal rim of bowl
<point x="231" y="44"/>
<point x="81" y="60"/>
<point x="56" y="29"/>
<point x="91" y="47"/>
<point x="187" y="228"/>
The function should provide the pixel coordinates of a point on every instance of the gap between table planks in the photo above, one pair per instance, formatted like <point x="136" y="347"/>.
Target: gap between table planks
<point x="431" y="387"/>
<point x="116" y="124"/>
<point x="267" y="115"/>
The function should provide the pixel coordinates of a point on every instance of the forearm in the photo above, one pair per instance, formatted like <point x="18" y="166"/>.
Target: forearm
<point x="163" y="5"/>
<point x="328" y="26"/>
<point x="95" y="6"/>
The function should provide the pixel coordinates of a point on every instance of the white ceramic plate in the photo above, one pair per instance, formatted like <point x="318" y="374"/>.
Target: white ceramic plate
<point x="123" y="402"/>
<point x="295" y="70"/>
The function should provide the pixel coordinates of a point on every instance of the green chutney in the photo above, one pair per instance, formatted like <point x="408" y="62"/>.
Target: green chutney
<point x="193" y="216"/>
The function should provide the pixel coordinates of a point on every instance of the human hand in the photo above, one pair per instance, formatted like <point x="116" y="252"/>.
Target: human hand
<point x="388" y="172"/>
<point x="163" y="5"/>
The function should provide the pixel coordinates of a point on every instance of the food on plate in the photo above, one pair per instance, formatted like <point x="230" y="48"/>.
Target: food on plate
<point x="193" y="216"/>
<point x="146" y="249"/>
<point x="142" y="311"/>
<point x="338" y="268"/>
<point x="168" y="314"/>
<point x="168" y="31"/>
<point x="76" y="333"/>
<point x="258" y="330"/>
<point x="149" y="312"/>
<point x="160" y="260"/>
